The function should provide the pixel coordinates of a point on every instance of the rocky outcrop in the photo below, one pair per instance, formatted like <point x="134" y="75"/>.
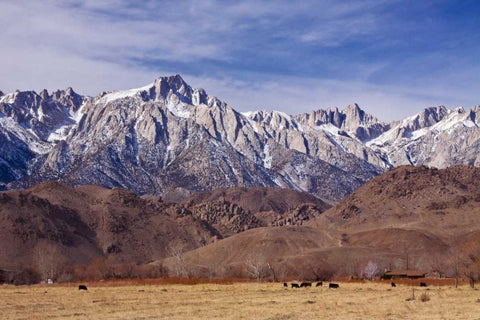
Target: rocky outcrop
<point x="228" y="218"/>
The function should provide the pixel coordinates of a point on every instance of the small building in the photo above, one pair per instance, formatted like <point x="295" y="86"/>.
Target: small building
<point x="404" y="274"/>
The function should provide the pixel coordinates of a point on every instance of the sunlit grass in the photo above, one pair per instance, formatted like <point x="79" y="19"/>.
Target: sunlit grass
<point x="237" y="301"/>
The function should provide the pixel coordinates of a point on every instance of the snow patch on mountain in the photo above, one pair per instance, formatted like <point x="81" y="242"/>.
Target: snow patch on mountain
<point x="178" y="109"/>
<point x="121" y="94"/>
<point x="27" y="135"/>
<point x="267" y="158"/>
<point x="330" y="128"/>
<point x="8" y="98"/>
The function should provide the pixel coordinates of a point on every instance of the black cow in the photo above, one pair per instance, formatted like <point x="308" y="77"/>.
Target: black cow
<point x="333" y="285"/>
<point x="295" y="285"/>
<point x="305" y="284"/>
<point x="423" y="284"/>
<point x="319" y="284"/>
<point x="285" y="285"/>
<point x="82" y="287"/>
<point x="393" y="284"/>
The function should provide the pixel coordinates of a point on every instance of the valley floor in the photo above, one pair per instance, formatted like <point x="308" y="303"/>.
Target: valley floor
<point x="238" y="301"/>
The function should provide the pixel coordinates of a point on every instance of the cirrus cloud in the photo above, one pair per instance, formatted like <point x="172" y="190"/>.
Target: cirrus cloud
<point x="391" y="57"/>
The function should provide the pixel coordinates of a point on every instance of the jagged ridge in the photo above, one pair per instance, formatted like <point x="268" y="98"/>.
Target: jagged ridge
<point x="169" y="136"/>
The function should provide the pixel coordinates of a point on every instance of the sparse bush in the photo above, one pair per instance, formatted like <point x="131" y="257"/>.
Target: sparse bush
<point x="412" y="297"/>
<point x="322" y="273"/>
<point x="26" y="276"/>
<point x="67" y="275"/>
<point x="98" y="269"/>
<point x="424" y="297"/>
<point x="125" y="271"/>
<point x="152" y="272"/>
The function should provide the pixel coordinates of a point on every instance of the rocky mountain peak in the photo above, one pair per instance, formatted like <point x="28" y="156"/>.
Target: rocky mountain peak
<point x="424" y="119"/>
<point x="474" y="115"/>
<point x="356" y="116"/>
<point x="44" y="94"/>
<point x="353" y="109"/>
<point x="26" y="99"/>
<point x="199" y="96"/>
<point x="352" y="119"/>
<point x="68" y="98"/>
<point x="429" y="116"/>
<point x="175" y="84"/>
<point x="274" y="120"/>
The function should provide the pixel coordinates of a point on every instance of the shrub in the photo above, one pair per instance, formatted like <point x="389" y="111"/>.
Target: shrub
<point x="26" y="276"/>
<point x="424" y="297"/>
<point x="151" y="271"/>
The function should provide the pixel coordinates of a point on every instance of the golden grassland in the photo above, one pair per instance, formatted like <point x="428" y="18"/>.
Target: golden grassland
<point x="369" y="300"/>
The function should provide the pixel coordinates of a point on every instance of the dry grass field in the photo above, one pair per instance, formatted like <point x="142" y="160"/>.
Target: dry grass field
<point x="237" y="301"/>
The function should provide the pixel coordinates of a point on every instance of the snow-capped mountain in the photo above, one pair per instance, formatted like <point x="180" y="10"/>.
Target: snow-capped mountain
<point x="30" y="126"/>
<point x="436" y="137"/>
<point x="168" y="136"/>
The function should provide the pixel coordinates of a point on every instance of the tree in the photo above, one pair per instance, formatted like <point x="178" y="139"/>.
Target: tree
<point x="176" y="250"/>
<point x="49" y="260"/>
<point x="370" y="270"/>
<point x="471" y="269"/>
<point x="272" y="272"/>
<point x="256" y="266"/>
<point x="322" y="272"/>
<point x="100" y="268"/>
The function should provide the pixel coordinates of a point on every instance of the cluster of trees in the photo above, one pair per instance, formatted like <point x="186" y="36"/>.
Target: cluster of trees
<point x="50" y="263"/>
<point x="463" y="262"/>
<point x="98" y="269"/>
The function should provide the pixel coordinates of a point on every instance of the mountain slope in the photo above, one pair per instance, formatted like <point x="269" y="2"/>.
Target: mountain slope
<point x="443" y="202"/>
<point x="86" y="222"/>
<point x="435" y="137"/>
<point x="254" y="207"/>
<point x="408" y="217"/>
<point x="169" y="136"/>
<point x="89" y="221"/>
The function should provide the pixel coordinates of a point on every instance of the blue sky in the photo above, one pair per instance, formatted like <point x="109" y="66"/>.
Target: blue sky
<point x="392" y="57"/>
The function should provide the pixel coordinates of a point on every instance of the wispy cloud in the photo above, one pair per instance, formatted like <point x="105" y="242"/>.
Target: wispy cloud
<point x="389" y="56"/>
<point x="295" y="95"/>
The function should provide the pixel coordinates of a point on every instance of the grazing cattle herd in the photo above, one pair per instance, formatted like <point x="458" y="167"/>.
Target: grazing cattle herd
<point x="330" y="285"/>
<point x="295" y="285"/>
<point x="309" y="284"/>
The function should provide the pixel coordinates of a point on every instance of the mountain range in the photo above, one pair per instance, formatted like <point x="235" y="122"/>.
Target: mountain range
<point x="407" y="217"/>
<point x="170" y="139"/>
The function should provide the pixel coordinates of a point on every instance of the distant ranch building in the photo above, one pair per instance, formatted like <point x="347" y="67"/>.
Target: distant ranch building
<point x="404" y="274"/>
